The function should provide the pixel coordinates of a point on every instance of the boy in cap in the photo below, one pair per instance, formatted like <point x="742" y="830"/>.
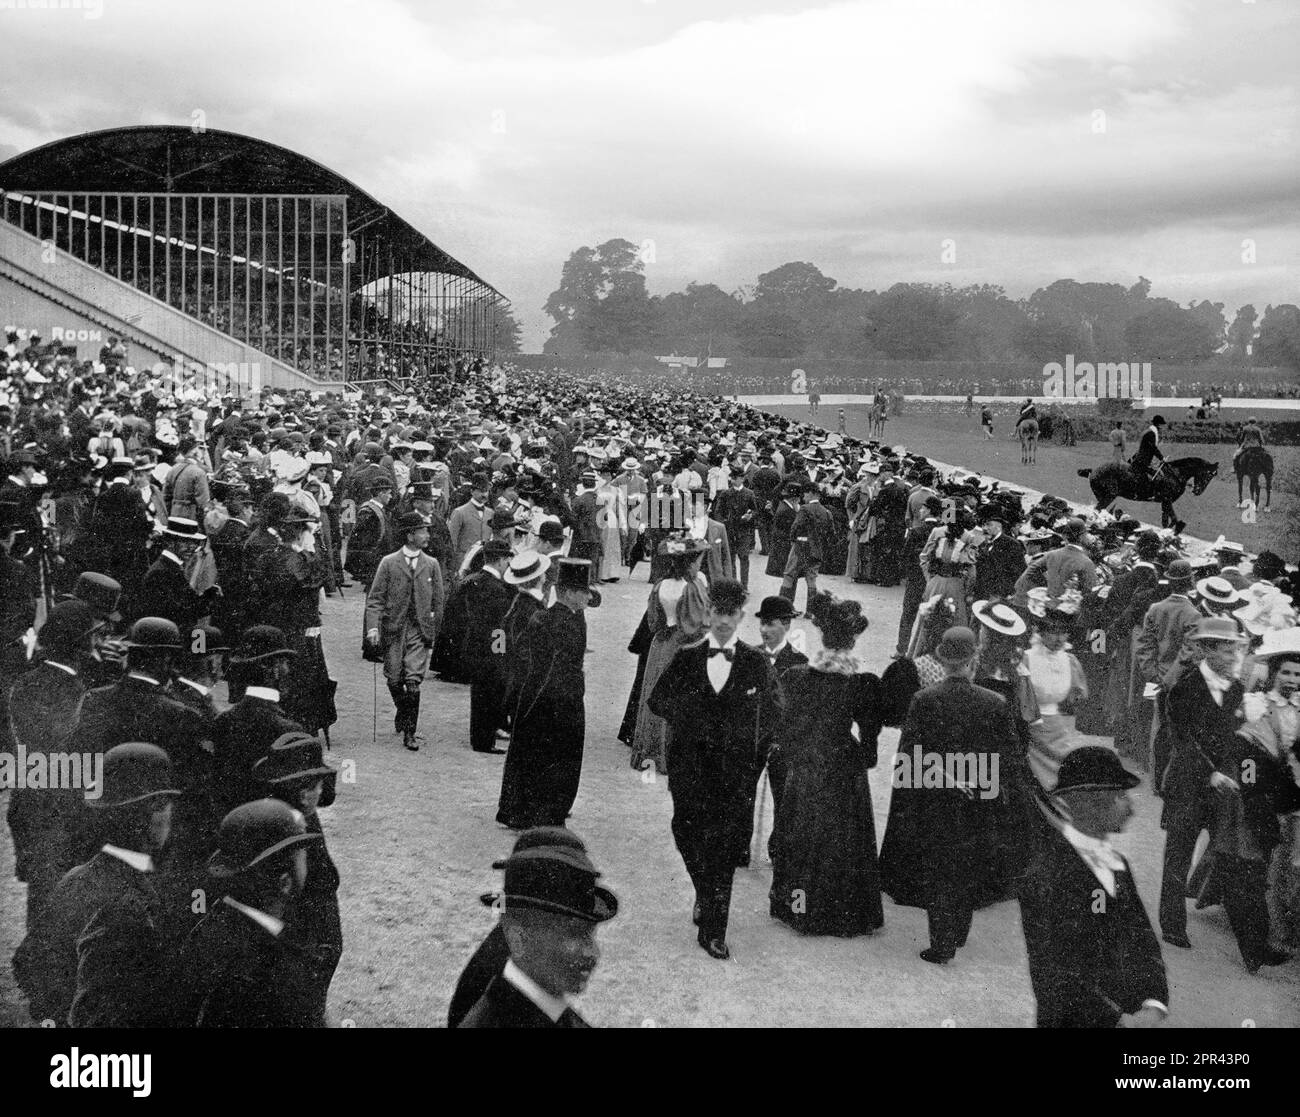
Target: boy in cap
<point x="1094" y="961"/>
<point x="550" y="906"/>
<point x="403" y="609"/>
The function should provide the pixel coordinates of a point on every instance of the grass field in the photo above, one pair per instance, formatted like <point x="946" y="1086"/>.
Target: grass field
<point x="958" y="440"/>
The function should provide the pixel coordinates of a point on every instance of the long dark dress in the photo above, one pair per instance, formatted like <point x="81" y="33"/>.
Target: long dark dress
<point x="825" y="879"/>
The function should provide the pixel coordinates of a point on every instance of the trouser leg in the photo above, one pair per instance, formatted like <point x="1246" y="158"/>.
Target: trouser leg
<point x="810" y="576"/>
<point x="1245" y="897"/>
<point x="1183" y="827"/>
<point x="393" y="676"/>
<point x="913" y="592"/>
<point x="744" y="569"/>
<point x="485" y="713"/>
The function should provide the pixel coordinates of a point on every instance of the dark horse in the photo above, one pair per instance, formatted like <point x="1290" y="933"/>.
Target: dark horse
<point x="1255" y="462"/>
<point x="1115" y="479"/>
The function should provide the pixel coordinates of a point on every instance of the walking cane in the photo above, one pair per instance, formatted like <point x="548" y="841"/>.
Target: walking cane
<point x="374" y="708"/>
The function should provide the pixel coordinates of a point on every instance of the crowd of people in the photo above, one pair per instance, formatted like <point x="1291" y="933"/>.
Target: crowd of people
<point x="161" y="546"/>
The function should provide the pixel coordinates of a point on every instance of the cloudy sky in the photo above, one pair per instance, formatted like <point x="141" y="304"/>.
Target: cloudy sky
<point x="1095" y="139"/>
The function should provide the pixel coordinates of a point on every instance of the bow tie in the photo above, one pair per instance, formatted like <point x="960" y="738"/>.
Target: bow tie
<point x="729" y="653"/>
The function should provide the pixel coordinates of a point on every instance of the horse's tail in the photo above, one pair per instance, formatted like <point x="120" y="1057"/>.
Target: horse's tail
<point x="1085" y="473"/>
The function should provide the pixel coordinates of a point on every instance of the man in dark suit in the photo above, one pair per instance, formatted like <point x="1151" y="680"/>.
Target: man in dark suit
<point x="125" y="962"/>
<point x="244" y="966"/>
<point x="775" y="615"/>
<point x="1148" y="450"/>
<point x="403" y="607"/>
<point x="810" y="542"/>
<point x="586" y="542"/>
<point x="487" y="598"/>
<point x="1094" y="961"/>
<point x="1204" y="713"/>
<point x="722" y="702"/>
<point x="371" y="538"/>
<point x="165" y="590"/>
<point x="787" y="508"/>
<point x="765" y="482"/>
<point x="737" y="510"/>
<point x="1163" y="651"/>
<point x="199" y="669"/>
<point x="120" y="527"/>
<point x="1001" y="557"/>
<point x="549" y="909"/>
<point x="941" y="843"/>
<point x="244" y="734"/>
<point x="914" y="574"/>
<point x="43" y="709"/>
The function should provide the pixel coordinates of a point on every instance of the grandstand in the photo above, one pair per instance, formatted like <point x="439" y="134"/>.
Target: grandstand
<point x="217" y="249"/>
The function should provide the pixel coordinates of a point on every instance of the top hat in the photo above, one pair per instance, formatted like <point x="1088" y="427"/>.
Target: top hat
<point x="574" y="574"/>
<point x="133" y="773"/>
<point x="526" y="566"/>
<point x="1216" y="628"/>
<point x="1093" y="768"/>
<point x="999" y="617"/>
<point x="180" y="527"/>
<point x="550" y="871"/>
<point x="776" y="609"/>
<point x="154" y="632"/>
<point x="253" y="833"/>
<point x="957" y="645"/>
<point x="101" y="593"/>
<point x="262" y="641"/>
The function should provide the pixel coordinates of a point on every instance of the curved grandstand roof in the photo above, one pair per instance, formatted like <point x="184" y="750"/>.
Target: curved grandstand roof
<point x="175" y="158"/>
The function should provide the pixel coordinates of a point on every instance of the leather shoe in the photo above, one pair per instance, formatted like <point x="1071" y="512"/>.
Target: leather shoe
<point x="409" y="742"/>
<point x="715" y="948"/>
<point x="1174" y="939"/>
<point x="1270" y="957"/>
<point x="929" y="954"/>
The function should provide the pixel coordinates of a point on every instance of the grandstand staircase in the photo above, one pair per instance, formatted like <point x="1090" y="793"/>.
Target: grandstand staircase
<point x="122" y="310"/>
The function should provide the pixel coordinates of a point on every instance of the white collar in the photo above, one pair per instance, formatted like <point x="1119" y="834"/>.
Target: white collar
<point x="492" y="570"/>
<point x="713" y="641"/>
<point x="408" y="554"/>
<point x="268" y="922"/>
<point x="203" y="690"/>
<point x="774" y="652"/>
<point x="550" y="1004"/>
<point x="60" y="666"/>
<point x="168" y="554"/>
<point x="18" y="479"/>
<point x="120" y="481"/>
<point x="143" y="678"/>
<point x="1143" y="563"/>
<point x="1097" y="854"/>
<point x="536" y="592"/>
<point x="140" y="862"/>
<point x="1217" y="683"/>
<point x="270" y="694"/>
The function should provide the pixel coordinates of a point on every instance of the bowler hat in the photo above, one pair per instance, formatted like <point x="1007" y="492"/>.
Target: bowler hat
<point x="1179" y="572"/>
<point x="502" y="518"/>
<point x="293" y="756"/>
<point x="1093" y="768"/>
<point x="133" y="773"/>
<point x="262" y="641"/>
<point x="496" y="549"/>
<point x="101" y="593"/>
<point x="255" y="832"/>
<point x="776" y="609"/>
<point x="410" y="521"/>
<point x="67" y="623"/>
<point x="957" y="645"/>
<point x="551" y="531"/>
<point x="552" y="872"/>
<point x="154" y="632"/>
<point x="204" y="640"/>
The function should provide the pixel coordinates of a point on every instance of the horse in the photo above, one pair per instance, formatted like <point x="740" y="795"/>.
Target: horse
<point x="1115" y="479"/>
<point x="1027" y="429"/>
<point x="1255" y="462"/>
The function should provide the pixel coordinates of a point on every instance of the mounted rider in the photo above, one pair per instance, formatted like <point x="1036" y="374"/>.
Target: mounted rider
<point x="1027" y="411"/>
<point x="1148" y="448"/>
<point x="1252" y="434"/>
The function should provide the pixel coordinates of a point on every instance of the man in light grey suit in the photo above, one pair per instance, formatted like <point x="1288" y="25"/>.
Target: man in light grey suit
<point x="403" y="610"/>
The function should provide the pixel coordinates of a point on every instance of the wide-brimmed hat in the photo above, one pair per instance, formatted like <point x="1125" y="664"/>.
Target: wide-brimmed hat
<point x="957" y="645"/>
<point x="777" y="609"/>
<point x="1279" y="642"/>
<point x="255" y="832"/>
<point x="133" y="773"/>
<point x="1217" y="628"/>
<point x="1093" y="768"/>
<point x="999" y="617"/>
<point x="549" y="871"/>
<point x="262" y="641"/>
<point x="293" y="469"/>
<point x="526" y="566"/>
<point x="682" y="547"/>
<point x="181" y="527"/>
<point x="1218" y="591"/>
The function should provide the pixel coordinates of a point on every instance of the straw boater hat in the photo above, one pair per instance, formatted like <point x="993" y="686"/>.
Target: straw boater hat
<point x="1218" y="591"/>
<point x="179" y="527"/>
<point x="525" y="567"/>
<point x="999" y="617"/>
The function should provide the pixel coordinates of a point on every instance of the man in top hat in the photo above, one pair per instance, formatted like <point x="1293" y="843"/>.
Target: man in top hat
<point x="549" y="908"/>
<point x="1204" y="712"/>
<point x="165" y="590"/>
<point x="43" y="708"/>
<point x="722" y="702"/>
<point x="105" y="913"/>
<point x="470" y="523"/>
<point x="487" y="597"/>
<point x="940" y="850"/>
<point x="245" y="965"/>
<point x="1001" y="557"/>
<point x="1148" y="450"/>
<point x="1094" y="961"/>
<point x="244" y="733"/>
<point x="544" y="765"/>
<point x="403" y="608"/>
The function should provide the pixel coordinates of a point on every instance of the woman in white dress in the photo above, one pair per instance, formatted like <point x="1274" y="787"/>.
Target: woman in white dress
<point x="1057" y="680"/>
<point x="613" y="523"/>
